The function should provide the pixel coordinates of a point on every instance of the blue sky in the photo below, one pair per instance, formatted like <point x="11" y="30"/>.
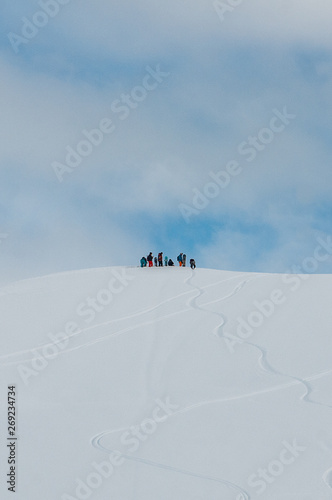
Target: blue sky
<point x="222" y="82"/>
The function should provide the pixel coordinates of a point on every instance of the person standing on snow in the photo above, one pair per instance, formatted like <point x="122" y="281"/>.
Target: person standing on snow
<point x="192" y="264"/>
<point x="184" y="260"/>
<point x="150" y="259"/>
<point x="160" y="259"/>
<point x="180" y="259"/>
<point x="155" y="261"/>
<point x="143" y="262"/>
<point x="166" y="260"/>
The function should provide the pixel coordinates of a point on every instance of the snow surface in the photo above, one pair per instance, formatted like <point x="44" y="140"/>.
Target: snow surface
<point x="165" y="337"/>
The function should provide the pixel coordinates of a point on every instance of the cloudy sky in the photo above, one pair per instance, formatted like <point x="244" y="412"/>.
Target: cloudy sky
<point x="115" y="116"/>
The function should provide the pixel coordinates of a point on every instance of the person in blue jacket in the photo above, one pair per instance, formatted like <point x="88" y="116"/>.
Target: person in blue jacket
<point x="143" y="262"/>
<point x="180" y="259"/>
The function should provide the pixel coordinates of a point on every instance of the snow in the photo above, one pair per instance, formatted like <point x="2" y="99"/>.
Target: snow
<point x="150" y="392"/>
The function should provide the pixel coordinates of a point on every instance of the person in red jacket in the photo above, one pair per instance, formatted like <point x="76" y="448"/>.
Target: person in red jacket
<point x="150" y="259"/>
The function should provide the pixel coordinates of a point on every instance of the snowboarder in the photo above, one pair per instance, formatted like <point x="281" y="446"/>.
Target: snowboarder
<point x="160" y="259"/>
<point x="192" y="264"/>
<point x="170" y="263"/>
<point x="180" y="259"/>
<point x="143" y="262"/>
<point x="150" y="259"/>
<point x="155" y="261"/>
<point x="166" y="260"/>
<point x="184" y="258"/>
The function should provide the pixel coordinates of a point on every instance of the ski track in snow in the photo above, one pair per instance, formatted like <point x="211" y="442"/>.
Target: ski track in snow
<point x="266" y="365"/>
<point x="201" y="290"/>
<point x="107" y="323"/>
<point x="263" y="354"/>
<point x="96" y="443"/>
<point x="263" y="358"/>
<point x="327" y="477"/>
<point x="191" y="303"/>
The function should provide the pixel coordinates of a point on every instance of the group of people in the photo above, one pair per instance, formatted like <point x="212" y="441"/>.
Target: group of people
<point x="160" y="260"/>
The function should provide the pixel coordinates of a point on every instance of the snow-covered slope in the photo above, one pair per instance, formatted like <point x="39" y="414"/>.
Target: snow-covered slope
<point x="168" y="384"/>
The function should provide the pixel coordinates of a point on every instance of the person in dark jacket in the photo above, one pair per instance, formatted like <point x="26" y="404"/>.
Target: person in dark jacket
<point x="155" y="261"/>
<point x="180" y="259"/>
<point x="160" y="259"/>
<point x="192" y="264"/>
<point x="170" y="262"/>
<point x="184" y="260"/>
<point x="150" y="259"/>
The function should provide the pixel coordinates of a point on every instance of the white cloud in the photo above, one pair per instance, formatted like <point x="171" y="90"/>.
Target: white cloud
<point x="151" y="29"/>
<point x="226" y="79"/>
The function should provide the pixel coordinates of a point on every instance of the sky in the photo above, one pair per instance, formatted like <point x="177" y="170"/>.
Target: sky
<point x="119" y="119"/>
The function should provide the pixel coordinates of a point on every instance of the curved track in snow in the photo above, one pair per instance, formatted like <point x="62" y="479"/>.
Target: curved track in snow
<point x="108" y="323"/>
<point x="265" y="365"/>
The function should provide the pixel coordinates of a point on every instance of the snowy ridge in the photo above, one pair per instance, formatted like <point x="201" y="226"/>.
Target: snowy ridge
<point x="240" y="361"/>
